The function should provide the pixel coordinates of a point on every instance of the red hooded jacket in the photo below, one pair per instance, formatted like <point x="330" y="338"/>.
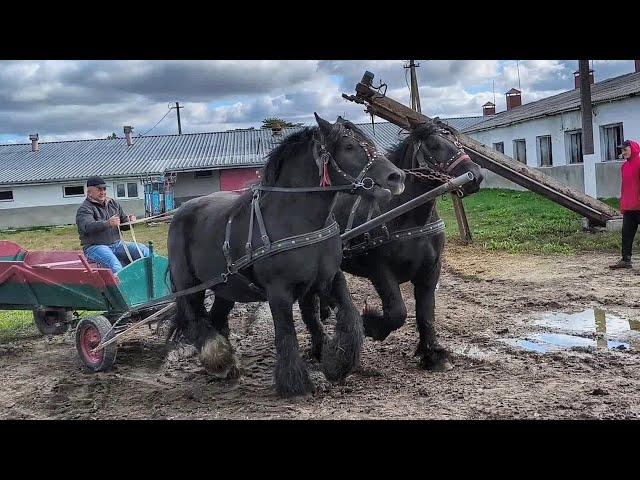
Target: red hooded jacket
<point x="630" y="195"/>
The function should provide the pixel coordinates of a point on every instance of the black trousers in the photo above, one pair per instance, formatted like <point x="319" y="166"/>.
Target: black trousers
<point x="630" y="222"/>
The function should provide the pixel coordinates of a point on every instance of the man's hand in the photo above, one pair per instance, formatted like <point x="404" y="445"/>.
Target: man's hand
<point x="132" y="218"/>
<point x="114" y="221"/>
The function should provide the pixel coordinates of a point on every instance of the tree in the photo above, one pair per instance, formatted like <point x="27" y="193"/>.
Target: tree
<point x="274" y="122"/>
<point x="113" y="136"/>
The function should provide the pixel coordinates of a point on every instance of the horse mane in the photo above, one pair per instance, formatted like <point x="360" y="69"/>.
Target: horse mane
<point x="397" y="153"/>
<point x="292" y="145"/>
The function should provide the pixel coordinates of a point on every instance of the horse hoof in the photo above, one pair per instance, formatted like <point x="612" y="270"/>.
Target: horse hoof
<point x="217" y="356"/>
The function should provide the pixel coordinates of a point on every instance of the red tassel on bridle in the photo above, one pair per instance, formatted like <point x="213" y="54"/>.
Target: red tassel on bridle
<point x="325" y="181"/>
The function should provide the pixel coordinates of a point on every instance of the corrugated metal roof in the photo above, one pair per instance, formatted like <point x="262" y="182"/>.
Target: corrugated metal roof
<point x="154" y="155"/>
<point x="605" y="91"/>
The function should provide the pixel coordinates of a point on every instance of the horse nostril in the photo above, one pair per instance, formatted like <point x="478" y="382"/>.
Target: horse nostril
<point x="396" y="178"/>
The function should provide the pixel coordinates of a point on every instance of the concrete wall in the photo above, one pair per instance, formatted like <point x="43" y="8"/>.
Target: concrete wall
<point x="626" y="111"/>
<point x="53" y="194"/>
<point x="187" y="186"/>
<point x="572" y="175"/>
<point x="55" y="214"/>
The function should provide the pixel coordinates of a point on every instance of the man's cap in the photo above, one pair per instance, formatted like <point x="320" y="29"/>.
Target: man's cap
<point x="95" y="182"/>
<point x="626" y="143"/>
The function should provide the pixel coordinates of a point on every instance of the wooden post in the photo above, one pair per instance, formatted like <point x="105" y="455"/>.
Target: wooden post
<point x="458" y="205"/>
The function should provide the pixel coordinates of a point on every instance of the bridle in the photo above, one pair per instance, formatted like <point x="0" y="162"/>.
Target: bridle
<point x="323" y="158"/>
<point x="429" y="168"/>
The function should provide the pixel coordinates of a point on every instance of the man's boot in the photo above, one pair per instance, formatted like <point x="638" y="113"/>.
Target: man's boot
<point x="623" y="263"/>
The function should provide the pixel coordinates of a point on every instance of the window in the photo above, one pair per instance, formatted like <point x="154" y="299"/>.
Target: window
<point x="499" y="147"/>
<point x="132" y="190"/>
<point x="127" y="190"/>
<point x="73" y="190"/>
<point x="203" y="174"/>
<point x="574" y="146"/>
<point x="545" y="155"/>
<point x="611" y="137"/>
<point x="6" y="195"/>
<point x="520" y="150"/>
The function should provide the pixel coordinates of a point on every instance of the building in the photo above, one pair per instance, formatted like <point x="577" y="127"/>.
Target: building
<point x="42" y="183"/>
<point x="546" y="134"/>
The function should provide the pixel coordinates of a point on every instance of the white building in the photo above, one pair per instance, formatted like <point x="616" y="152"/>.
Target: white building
<point x="546" y="134"/>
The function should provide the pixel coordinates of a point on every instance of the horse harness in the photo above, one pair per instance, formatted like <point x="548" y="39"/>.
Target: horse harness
<point x="331" y="228"/>
<point x="424" y="172"/>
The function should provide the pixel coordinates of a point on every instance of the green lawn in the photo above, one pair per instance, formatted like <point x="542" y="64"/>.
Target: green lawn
<point x="517" y="222"/>
<point x="524" y="222"/>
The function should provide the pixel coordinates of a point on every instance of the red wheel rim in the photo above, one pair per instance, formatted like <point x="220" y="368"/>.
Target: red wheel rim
<point x="90" y="339"/>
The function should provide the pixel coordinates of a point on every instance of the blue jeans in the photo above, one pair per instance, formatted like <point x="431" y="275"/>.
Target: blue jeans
<point x="112" y="256"/>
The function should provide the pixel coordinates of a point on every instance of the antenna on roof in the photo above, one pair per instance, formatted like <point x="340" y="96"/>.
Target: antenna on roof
<point x="518" y="69"/>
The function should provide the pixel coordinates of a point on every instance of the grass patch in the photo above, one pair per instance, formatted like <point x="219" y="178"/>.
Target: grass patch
<point x="524" y="222"/>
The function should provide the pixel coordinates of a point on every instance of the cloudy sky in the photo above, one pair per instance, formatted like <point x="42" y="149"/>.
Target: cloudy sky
<point x="68" y="100"/>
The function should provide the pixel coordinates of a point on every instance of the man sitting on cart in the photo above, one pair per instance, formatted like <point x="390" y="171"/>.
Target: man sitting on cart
<point x="99" y="222"/>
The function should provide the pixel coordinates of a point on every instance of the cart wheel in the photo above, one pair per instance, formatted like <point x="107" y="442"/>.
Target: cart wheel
<point x="51" y="320"/>
<point x="89" y="333"/>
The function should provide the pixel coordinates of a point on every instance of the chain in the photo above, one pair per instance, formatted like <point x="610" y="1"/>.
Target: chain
<point x="432" y="175"/>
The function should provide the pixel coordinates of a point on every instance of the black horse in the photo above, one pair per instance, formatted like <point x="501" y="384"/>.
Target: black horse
<point x="208" y="235"/>
<point x="433" y="154"/>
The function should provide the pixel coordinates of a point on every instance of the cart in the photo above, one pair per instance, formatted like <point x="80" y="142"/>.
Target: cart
<point x="54" y="284"/>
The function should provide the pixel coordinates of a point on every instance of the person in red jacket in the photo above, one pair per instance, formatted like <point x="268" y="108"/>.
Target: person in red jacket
<point x="629" y="199"/>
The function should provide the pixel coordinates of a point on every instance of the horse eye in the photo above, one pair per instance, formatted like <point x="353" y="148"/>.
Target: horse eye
<point x="349" y="146"/>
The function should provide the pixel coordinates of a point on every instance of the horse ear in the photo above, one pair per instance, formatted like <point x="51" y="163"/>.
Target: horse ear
<point x="325" y="127"/>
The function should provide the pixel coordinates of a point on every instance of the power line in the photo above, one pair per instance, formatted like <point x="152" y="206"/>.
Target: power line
<point x="169" y="110"/>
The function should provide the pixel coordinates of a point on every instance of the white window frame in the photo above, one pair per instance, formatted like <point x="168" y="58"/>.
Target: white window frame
<point x="539" y="150"/>
<point x="126" y="188"/>
<point x="12" y="199"/>
<point x="64" y="193"/>
<point x="603" y="141"/>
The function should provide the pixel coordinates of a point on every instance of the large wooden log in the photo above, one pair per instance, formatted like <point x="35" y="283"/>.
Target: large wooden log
<point x="596" y="211"/>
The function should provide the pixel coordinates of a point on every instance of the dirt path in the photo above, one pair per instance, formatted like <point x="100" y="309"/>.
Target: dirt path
<point x="483" y="298"/>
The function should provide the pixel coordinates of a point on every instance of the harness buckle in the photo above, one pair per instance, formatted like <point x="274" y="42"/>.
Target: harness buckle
<point x="265" y="240"/>
<point x="386" y="231"/>
<point x="366" y="181"/>
<point x="248" y="249"/>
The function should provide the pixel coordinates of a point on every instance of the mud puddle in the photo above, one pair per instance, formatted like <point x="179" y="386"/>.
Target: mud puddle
<point x="591" y="329"/>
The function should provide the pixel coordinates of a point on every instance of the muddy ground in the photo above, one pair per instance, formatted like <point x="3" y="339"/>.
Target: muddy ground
<point x="483" y="297"/>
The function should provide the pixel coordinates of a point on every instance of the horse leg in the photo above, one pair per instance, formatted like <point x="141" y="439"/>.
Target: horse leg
<point x="189" y="320"/>
<point x="432" y="355"/>
<point x="342" y="353"/>
<point x="217" y="353"/>
<point x="309" y="309"/>
<point x="394" y="311"/>
<point x="291" y="375"/>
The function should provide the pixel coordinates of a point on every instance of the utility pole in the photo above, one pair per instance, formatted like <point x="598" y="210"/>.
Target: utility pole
<point x="458" y="206"/>
<point x="178" y="107"/>
<point x="585" y="108"/>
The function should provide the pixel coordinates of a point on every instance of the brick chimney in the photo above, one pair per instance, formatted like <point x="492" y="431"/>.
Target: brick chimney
<point x="127" y="135"/>
<point x="488" y="109"/>
<point x="514" y="98"/>
<point x="34" y="142"/>
<point x="637" y="65"/>
<point x="576" y="78"/>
